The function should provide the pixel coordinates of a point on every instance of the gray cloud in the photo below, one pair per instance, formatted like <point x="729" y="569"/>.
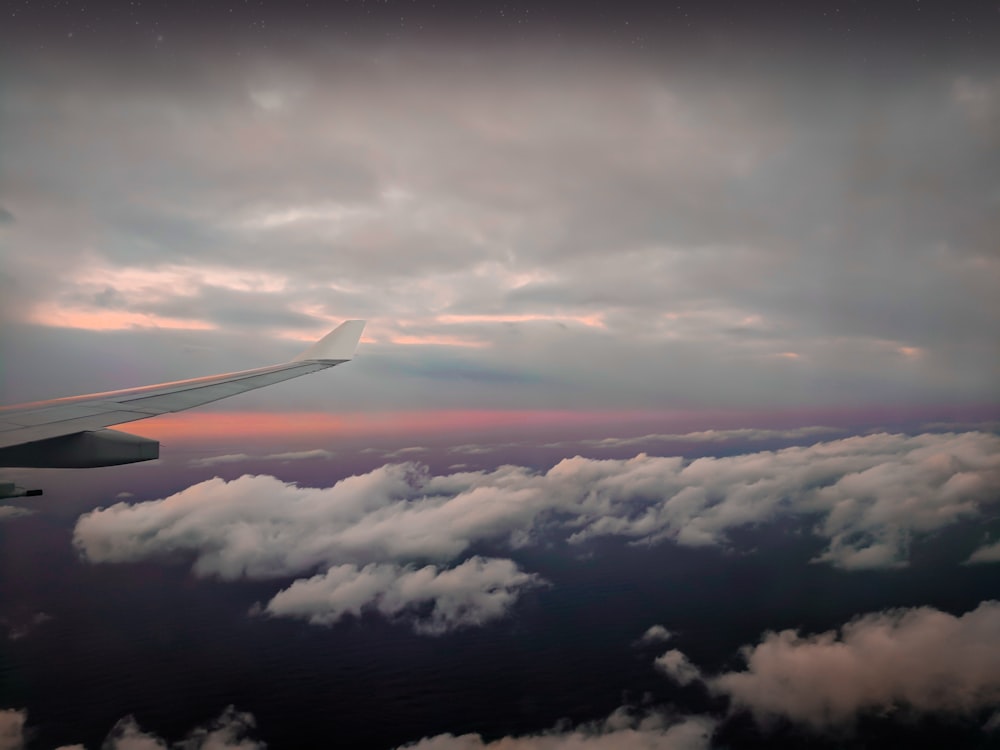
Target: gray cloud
<point x="988" y="553"/>
<point x="9" y="512"/>
<point x="678" y="667"/>
<point x="750" y="237"/>
<point x="745" y="434"/>
<point x="233" y="458"/>
<point x="706" y="436"/>
<point x="868" y="496"/>
<point x="229" y="731"/>
<point x="921" y="659"/>
<point x="655" y="634"/>
<point x="622" y="730"/>
<point x="470" y="594"/>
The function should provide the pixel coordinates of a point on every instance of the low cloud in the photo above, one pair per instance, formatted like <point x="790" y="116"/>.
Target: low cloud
<point x="234" y="458"/>
<point x="19" y="625"/>
<point x="12" y="728"/>
<point x="678" y="667"/>
<point x="918" y="659"/>
<point x="435" y="601"/>
<point x="230" y="731"/>
<point x="867" y="496"/>
<point x="622" y="730"/>
<point x="988" y="553"/>
<point x="10" y="512"/>
<point x="656" y="634"/>
<point x="745" y="434"/>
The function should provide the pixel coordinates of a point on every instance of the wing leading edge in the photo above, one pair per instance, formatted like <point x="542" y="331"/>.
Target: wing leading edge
<point x="69" y="432"/>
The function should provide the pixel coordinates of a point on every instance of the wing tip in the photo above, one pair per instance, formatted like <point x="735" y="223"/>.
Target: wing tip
<point x="338" y="345"/>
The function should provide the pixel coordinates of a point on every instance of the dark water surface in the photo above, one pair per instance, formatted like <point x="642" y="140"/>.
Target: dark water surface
<point x="151" y="640"/>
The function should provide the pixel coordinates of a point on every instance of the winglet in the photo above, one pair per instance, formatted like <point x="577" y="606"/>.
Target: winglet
<point x="339" y="344"/>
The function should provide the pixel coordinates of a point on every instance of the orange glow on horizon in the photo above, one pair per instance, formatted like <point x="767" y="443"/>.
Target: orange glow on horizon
<point x="227" y="425"/>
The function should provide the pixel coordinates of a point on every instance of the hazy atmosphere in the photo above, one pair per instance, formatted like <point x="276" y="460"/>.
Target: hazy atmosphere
<point x="675" y="423"/>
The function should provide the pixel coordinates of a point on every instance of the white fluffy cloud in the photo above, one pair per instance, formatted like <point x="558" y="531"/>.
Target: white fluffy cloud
<point x="868" y="496"/>
<point x="620" y="731"/>
<point x="920" y="659"/>
<point x="473" y="593"/>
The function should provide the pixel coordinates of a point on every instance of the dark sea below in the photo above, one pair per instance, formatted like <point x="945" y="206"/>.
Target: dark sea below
<point x="153" y="641"/>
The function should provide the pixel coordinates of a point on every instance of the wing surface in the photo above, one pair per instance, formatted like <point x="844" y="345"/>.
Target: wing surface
<point x="42" y="420"/>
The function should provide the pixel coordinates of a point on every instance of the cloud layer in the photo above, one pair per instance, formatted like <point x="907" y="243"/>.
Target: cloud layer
<point x="867" y="496"/>
<point x="739" y="234"/>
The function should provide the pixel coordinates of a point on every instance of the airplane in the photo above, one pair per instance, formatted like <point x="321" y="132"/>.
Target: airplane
<point x="72" y="432"/>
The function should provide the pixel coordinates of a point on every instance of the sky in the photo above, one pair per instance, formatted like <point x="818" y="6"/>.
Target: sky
<point x="687" y="284"/>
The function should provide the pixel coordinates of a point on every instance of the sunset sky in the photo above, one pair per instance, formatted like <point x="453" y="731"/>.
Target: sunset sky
<point x="682" y="338"/>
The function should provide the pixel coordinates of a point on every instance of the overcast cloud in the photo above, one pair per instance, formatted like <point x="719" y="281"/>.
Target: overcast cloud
<point x="583" y="229"/>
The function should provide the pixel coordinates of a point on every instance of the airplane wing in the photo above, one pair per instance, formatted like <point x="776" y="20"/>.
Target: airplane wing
<point x="70" y="432"/>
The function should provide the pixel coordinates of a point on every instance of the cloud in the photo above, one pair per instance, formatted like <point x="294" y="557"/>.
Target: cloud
<point x="676" y="665"/>
<point x="20" y="625"/>
<point x="227" y="732"/>
<point x="988" y="553"/>
<point x="12" y="728"/>
<point x="233" y="458"/>
<point x="10" y="512"/>
<point x="225" y="458"/>
<point x="701" y="436"/>
<point x="408" y="451"/>
<point x="920" y="659"/>
<point x="707" y="436"/>
<point x="435" y="601"/>
<point x="656" y="634"/>
<point x="622" y="730"/>
<point x="867" y="496"/>
<point x="496" y="203"/>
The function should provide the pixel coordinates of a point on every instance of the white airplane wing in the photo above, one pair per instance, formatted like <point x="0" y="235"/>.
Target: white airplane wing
<point x="69" y="432"/>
